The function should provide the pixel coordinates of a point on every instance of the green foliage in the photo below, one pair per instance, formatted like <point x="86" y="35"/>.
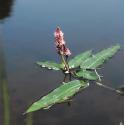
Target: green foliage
<point x="49" y="65"/>
<point x="77" y="60"/>
<point x="90" y="75"/>
<point x="59" y="95"/>
<point x="99" y="58"/>
<point x="85" y="63"/>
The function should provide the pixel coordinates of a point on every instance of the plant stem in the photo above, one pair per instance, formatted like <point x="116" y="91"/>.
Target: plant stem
<point x="64" y="80"/>
<point x="108" y="87"/>
<point x="98" y="75"/>
<point x="64" y="62"/>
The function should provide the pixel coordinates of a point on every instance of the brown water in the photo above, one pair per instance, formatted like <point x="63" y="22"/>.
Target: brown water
<point x="26" y="36"/>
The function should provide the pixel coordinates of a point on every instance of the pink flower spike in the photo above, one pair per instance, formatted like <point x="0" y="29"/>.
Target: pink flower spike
<point x="60" y="43"/>
<point x="67" y="52"/>
<point x="58" y="32"/>
<point x="59" y="37"/>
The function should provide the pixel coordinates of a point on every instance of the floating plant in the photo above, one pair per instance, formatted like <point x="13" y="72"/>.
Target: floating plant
<point x="82" y="68"/>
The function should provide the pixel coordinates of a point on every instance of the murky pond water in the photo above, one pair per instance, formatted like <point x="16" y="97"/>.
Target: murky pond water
<point x="26" y="36"/>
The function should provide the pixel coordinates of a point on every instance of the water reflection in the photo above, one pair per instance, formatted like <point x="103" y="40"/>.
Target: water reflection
<point x="29" y="119"/>
<point x="5" y="8"/>
<point x="5" y="12"/>
<point x="4" y="92"/>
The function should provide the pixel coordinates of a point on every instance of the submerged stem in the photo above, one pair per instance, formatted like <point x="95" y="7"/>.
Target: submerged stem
<point x="64" y="80"/>
<point x="108" y="87"/>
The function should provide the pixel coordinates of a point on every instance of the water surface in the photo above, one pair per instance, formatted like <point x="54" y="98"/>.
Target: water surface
<point x="26" y="36"/>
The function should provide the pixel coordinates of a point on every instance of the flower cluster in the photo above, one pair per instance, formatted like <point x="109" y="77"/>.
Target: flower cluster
<point x="60" y="43"/>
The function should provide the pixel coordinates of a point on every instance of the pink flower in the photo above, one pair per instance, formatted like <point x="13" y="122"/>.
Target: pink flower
<point x="60" y="43"/>
<point x="67" y="52"/>
<point x="58" y="32"/>
<point x="59" y="37"/>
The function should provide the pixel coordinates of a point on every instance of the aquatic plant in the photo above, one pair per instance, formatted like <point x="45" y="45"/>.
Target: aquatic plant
<point x="81" y="70"/>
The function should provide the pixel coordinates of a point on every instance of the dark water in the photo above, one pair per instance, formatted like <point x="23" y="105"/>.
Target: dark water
<point x="26" y="36"/>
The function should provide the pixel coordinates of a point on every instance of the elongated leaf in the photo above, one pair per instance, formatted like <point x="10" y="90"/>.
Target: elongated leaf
<point x="77" y="60"/>
<point x="59" y="95"/>
<point x="90" y="75"/>
<point x="99" y="58"/>
<point x="49" y="65"/>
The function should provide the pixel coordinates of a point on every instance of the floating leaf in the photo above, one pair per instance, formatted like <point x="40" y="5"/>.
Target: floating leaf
<point x="90" y="75"/>
<point x="59" y="95"/>
<point x="77" y="60"/>
<point x="99" y="58"/>
<point x="49" y="65"/>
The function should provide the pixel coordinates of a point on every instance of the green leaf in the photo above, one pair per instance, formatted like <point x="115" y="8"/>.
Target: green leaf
<point x="99" y="58"/>
<point x="77" y="60"/>
<point x="59" y="95"/>
<point x="49" y="65"/>
<point x="90" y="75"/>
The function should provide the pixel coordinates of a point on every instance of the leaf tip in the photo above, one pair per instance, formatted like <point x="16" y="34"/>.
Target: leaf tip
<point x="24" y="113"/>
<point x="117" y="46"/>
<point x="38" y="63"/>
